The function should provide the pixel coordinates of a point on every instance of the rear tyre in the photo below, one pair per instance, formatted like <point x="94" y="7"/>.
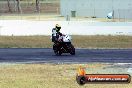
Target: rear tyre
<point x="72" y="53"/>
<point x="72" y="50"/>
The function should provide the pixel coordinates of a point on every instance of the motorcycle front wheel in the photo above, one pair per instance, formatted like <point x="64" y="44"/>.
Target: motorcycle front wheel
<point x="56" y="51"/>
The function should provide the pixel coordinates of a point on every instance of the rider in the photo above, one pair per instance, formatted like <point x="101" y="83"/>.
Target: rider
<point x="56" y="34"/>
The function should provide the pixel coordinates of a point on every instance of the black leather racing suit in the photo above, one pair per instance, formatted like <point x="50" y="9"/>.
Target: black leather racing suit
<point x="55" y="37"/>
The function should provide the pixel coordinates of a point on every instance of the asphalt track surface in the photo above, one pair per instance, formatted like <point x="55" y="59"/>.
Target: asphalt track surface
<point x="46" y="55"/>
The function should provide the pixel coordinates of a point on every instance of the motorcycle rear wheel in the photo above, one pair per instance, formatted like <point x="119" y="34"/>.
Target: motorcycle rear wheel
<point x="72" y="51"/>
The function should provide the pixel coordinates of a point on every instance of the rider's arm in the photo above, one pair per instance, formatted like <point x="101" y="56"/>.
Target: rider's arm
<point x="54" y="35"/>
<point x="60" y="33"/>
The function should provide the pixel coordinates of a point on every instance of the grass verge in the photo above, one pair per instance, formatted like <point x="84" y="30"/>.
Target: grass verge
<point x="48" y="76"/>
<point x="55" y="17"/>
<point x="96" y="41"/>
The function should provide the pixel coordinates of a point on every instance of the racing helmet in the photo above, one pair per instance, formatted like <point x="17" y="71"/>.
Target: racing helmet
<point x="58" y="27"/>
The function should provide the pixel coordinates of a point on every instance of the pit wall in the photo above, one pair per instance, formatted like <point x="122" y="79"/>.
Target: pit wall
<point x="26" y="27"/>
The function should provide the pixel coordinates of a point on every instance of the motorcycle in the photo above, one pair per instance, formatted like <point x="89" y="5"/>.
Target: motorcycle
<point x="65" y="46"/>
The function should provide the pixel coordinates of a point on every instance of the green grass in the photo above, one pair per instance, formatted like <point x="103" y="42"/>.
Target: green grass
<point x="100" y="41"/>
<point x="34" y="16"/>
<point x="48" y="76"/>
<point x="97" y="41"/>
<point x="25" y="42"/>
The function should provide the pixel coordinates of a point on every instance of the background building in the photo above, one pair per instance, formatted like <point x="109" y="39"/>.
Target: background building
<point x="96" y="8"/>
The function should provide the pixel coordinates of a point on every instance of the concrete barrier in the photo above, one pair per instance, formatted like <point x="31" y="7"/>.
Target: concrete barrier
<point x="26" y="27"/>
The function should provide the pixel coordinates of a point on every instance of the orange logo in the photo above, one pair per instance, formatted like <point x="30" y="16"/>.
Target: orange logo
<point x="83" y="78"/>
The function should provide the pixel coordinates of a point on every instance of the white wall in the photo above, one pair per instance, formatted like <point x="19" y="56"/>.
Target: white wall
<point x="24" y="27"/>
<point x="98" y="8"/>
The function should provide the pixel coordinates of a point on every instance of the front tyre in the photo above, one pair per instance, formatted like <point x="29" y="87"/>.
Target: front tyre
<point x="56" y="51"/>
